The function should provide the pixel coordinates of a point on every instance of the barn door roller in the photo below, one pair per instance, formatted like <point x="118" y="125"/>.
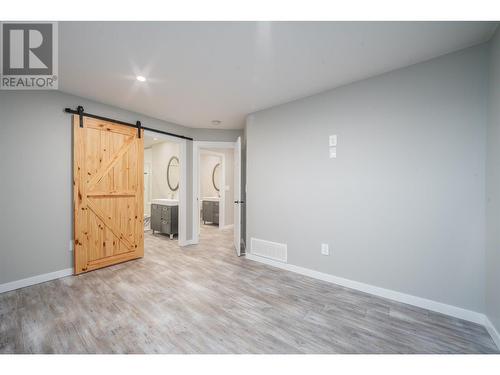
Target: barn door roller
<point x="79" y="109"/>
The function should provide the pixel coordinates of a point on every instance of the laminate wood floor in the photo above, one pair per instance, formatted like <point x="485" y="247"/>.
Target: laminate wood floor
<point x="204" y="299"/>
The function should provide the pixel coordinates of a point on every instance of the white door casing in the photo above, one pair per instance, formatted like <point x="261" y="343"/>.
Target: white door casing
<point x="237" y="196"/>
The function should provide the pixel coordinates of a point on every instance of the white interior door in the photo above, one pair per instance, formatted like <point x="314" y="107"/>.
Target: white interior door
<point x="237" y="196"/>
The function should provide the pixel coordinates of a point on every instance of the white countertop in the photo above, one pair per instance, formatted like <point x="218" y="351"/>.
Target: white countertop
<point x="166" y="202"/>
<point x="210" y="199"/>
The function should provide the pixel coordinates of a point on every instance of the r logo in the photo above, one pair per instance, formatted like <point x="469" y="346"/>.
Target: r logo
<point x="28" y="58"/>
<point x="27" y="49"/>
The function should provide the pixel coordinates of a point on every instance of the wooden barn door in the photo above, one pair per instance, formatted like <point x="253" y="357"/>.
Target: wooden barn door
<point x="108" y="194"/>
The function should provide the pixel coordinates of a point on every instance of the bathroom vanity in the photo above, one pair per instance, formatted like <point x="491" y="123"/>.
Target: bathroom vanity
<point x="210" y="210"/>
<point x="165" y="216"/>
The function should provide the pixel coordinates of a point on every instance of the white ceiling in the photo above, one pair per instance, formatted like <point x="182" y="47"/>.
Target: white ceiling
<point x="151" y="140"/>
<point x="200" y="71"/>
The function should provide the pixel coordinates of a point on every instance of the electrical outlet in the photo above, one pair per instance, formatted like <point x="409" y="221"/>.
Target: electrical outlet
<point x="324" y="249"/>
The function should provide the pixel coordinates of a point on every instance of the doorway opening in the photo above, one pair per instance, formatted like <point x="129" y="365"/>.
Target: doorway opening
<point x="216" y="198"/>
<point x="214" y="189"/>
<point x="165" y="187"/>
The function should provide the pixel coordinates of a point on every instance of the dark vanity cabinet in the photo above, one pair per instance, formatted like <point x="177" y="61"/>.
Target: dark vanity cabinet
<point x="165" y="219"/>
<point x="210" y="212"/>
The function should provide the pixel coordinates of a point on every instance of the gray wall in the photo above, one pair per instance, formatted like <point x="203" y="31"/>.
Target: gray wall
<point x="493" y="190"/>
<point x="36" y="183"/>
<point x="403" y="205"/>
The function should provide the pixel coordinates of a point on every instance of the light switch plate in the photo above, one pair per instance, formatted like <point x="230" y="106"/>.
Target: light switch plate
<point x="70" y="246"/>
<point x="324" y="249"/>
<point x="333" y="140"/>
<point x="333" y="152"/>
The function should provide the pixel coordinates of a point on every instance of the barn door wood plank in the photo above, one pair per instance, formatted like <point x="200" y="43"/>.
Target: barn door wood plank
<point x="108" y="194"/>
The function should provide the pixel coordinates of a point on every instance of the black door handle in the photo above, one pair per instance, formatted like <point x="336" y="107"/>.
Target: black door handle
<point x="239" y="202"/>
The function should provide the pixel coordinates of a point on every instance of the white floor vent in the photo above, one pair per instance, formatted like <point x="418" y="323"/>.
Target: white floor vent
<point x="267" y="249"/>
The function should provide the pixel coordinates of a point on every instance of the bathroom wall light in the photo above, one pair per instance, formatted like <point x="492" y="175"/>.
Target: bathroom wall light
<point x="141" y="78"/>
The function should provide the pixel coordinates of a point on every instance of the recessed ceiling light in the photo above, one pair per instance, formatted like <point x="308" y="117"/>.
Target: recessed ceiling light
<point x="141" y="78"/>
<point x="216" y="122"/>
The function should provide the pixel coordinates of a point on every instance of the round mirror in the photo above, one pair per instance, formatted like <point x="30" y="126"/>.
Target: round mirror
<point x="216" y="177"/>
<point x="173" y="173"/>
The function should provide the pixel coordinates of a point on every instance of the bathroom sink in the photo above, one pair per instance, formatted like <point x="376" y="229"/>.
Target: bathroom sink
<point x="166" y="202"/>
<point x="211" y="199"/>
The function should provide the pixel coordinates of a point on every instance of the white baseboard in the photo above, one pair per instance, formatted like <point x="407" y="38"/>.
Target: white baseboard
<point x="7" y="287"/>
<point x="229" y="226"/>
<point x="424" y="303"/>
<point x="492" y="331"/>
